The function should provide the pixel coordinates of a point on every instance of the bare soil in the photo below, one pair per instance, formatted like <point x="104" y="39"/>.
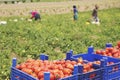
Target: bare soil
<point x="23" y="9"/>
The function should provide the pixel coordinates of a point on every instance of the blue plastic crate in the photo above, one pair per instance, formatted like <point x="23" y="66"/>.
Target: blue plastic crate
<point x="17" y="74"/>
<point x="102" y="72"/>
<point x="111" y="72"/>
<point x="73" y="77"/>
<point x="94" y="75"/>
<point x="94" y="57"/>
<point x="90" y="56"/>
<point x="77" y="72"/>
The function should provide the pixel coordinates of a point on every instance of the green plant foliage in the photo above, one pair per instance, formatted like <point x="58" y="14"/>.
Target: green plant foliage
<point x="55" y="35"/>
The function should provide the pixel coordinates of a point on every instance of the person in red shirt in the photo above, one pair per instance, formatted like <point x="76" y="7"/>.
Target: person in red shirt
<point x="35" y="15"/>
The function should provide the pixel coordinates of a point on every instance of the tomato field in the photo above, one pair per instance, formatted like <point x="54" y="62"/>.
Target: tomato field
<point x="54" y="35"/>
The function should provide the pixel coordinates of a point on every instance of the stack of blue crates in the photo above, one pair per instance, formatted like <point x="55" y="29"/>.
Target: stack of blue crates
<point x="102" y="71"/>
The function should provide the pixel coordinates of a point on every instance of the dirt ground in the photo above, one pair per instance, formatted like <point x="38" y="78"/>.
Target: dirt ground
<point x="23" y="9"/>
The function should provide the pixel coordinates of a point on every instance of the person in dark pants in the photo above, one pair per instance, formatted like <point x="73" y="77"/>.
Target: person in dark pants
<point x="75" y="11"/>
<point x="35" y="15"/>
<point x="95" y="14"/>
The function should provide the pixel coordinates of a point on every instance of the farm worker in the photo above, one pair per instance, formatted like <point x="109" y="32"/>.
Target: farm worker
<point x="95" y="14"/>
<point x="75" y="11"/>
<point x="35" y="15"/>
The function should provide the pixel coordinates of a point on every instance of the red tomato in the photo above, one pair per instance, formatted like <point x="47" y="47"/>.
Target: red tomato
<point x="29" y="66"/>
<point x="67" y="71"/>
<point x="36" y="63"/>
<point x="91" y="69"/>
<point x="41" y="74"/>
<point x="118" y="44"/>
<point x="116" y="55"/>
<point x="86" y="67"/>
<point x="52" y="77"/>
<point x="73" y="62"/>
<point x="42" y="79"/>
<point x="18" y="66"/>
<point x="92" y="75"/>
<point x="116" y="68"/>
<point x="61" y="75"/>
<point x="90" y="64"/>
<point x="60" y="67"/>
<point x="110" y="49"/>
<point x="103" y="53"/>
<point x="84" y="70"/>
<point x="80" y="60"/>
<point x="26" y="70"/>
<point x="110" y="54"/>
<point x="34" y="75"/>
<point x="67" y="61"/>
<point x="98" y="62"/>
<point x="62" y="61"/>
<point x="98" y="51"/>
<point x="70" y="66"/>
<point x="63" y="65"/>
<point x="55" y="71"/>
<point x="115" y="51"/>
<point x="110" y="63"/>
<point x="37" y="70"/>
<point x="22" y="66"/>
<point x="66" y="75"/>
